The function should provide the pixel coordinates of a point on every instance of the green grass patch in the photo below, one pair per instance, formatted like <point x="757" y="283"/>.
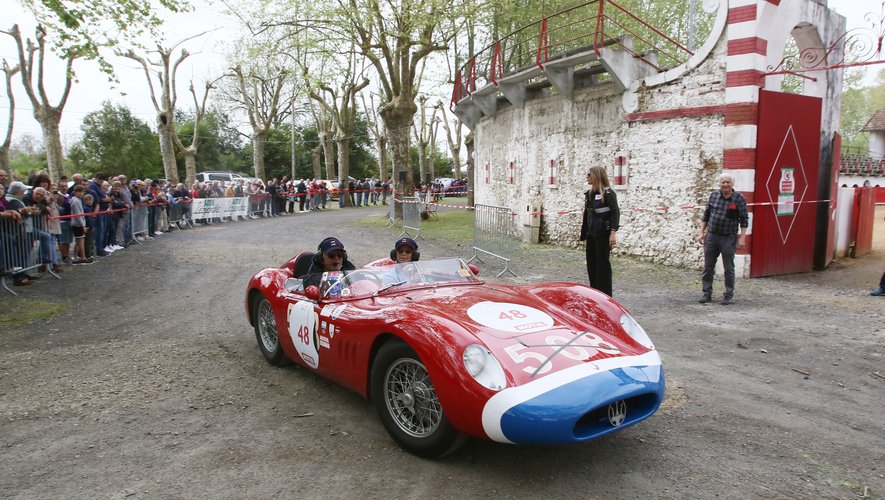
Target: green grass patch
<point x="452" y="225"/>
<point x="21" y="311"/>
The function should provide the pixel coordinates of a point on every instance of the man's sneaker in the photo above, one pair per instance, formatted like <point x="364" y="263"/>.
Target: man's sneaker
<point x="89" y="260"/>
<point x="108" y="249"/>
<point x="57" y="269"/>
<point x="727" y="301"/>
<point x="705" y="299"/>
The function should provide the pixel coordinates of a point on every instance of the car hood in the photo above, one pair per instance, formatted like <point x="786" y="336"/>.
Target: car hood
<point x="530" y="336"/>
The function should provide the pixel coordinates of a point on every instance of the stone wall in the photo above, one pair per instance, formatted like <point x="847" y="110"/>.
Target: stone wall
<point x="671" y="162"/>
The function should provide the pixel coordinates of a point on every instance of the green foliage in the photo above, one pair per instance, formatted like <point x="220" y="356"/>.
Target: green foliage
<point x="573" y="24"/>
<point x="858" y="105"/>
<point x="83" y="27"/>
<point x="116" y="142"/>
<point x="23" y="164"/>
<point x="362" y="162"/>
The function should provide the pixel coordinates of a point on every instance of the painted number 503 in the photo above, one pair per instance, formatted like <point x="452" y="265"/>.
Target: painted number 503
<point x="538" y="363"/>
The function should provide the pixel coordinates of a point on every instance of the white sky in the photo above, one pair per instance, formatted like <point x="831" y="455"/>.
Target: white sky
<point x="93" y="87"/>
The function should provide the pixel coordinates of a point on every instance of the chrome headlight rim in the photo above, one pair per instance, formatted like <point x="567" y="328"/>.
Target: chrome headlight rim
<point x="483" y="366"/>
<point x="635" y="331"/>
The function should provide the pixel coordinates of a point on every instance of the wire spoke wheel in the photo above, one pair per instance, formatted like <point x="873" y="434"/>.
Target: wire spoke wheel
<point x="411" y="399"/>
<point x="408" y="404"/>
<point x="266" y="331"/>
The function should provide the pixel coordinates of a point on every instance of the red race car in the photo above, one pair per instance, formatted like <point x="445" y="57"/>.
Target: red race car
<point x="444" y="355"/>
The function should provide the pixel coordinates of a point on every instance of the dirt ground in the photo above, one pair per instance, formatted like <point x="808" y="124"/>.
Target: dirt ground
<point x="151" y="385"/>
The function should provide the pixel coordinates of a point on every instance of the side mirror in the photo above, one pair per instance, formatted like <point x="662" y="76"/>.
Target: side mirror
<point x="473" y="269"/>
<point x="312" y="293"/>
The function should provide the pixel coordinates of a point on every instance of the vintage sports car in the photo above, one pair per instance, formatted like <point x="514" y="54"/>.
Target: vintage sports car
<point x="444" y="355"/>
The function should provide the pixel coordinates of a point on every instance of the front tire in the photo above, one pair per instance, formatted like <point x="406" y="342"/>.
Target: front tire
<point x="407" y="403"/>
<point x="266" y="331"/>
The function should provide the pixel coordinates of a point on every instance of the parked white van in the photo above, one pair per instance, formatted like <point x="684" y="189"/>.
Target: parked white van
<point x="225" y="177"/>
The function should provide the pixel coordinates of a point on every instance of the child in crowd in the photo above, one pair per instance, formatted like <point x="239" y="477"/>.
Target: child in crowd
<point x="91" y="223"/>
<point x="78" y="226"/>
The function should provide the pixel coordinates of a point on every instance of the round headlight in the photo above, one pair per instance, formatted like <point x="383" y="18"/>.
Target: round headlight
<point x="635" y="331"/>
<point x="474" y="359"/>
<point x="484" y="367"/>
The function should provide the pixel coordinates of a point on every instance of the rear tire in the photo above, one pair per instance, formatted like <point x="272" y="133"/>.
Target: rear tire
<point x="407" y="403"/>
<point x="266" y="331"/>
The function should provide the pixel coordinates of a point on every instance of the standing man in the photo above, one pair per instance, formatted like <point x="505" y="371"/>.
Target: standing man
<point x="102" y="202"/>
<point x="726" y="211"/>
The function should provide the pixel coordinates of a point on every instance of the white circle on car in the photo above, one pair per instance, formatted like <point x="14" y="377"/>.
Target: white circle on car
<point x="302" y="329"/>
<point x="510" y="317"/>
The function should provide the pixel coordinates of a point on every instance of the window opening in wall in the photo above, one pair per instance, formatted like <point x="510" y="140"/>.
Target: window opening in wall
<point x="792" y="83"/>
<point x="553" y="178"/>
<point x="488" y="170"/>
<point x="510" y="167"/>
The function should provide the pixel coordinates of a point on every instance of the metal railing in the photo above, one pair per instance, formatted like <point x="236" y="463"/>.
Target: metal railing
<point x="494" y="234"/>
<point x="411" y="217"/>
<point x="586" y="27"/>
<point x="24" y="246"/>
<point x="391" y="215"/>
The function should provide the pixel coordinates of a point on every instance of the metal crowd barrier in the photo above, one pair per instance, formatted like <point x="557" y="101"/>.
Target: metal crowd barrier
<point x="139" y="220"/>
<point x="258" y="205"/>
<point x="180" y="214"/>
<point x="494" y="232"/>
<point x="391" y="215"/>
<point x="411" y="216"/>
<point x="25" y="246"/>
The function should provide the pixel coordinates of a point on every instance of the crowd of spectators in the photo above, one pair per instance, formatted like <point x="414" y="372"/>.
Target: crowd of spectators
<point x="79" y="220"/>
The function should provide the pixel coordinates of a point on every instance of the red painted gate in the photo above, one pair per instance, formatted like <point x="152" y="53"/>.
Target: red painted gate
<point x="787" y="153"/>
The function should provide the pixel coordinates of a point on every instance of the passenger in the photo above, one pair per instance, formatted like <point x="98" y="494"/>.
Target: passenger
<point x="405" y="250"/>
<point x="330" y="257"/>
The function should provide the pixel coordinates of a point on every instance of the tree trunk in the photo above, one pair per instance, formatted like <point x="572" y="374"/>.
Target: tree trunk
<point x="422" y="161"/>
<point x="190" y="165"/>
<point x="55" y="158"/>
<point x="329" y="155"/>
<point x="167" y="149"/>
<point x="456" y="162"/>
<point x="317" y="157"/>
<point x="471" y="170"/>
<point x="4" y="158"/>
<point x="397" y="115"/>
<point x="259" y="140"/>
<point x="381" y="144"/>
<point x="344" y="164"/>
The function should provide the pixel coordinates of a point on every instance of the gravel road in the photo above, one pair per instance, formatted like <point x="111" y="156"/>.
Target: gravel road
<point x="150" y="385"/>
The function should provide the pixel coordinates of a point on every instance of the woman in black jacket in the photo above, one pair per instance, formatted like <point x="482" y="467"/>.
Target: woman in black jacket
<point x="599" y="227"/>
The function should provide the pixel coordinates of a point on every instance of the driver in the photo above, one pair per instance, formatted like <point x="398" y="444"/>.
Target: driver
<point x="330" y="257"/>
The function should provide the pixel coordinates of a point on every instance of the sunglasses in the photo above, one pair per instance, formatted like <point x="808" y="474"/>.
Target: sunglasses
<point x="336" y="255"/>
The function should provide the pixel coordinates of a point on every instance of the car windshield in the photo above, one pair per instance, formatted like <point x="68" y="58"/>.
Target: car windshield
<point x="376" y="280"/>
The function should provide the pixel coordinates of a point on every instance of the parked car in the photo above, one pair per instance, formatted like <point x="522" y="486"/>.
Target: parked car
<point x="444" y="355"/>
<point x="226" y="177"/>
